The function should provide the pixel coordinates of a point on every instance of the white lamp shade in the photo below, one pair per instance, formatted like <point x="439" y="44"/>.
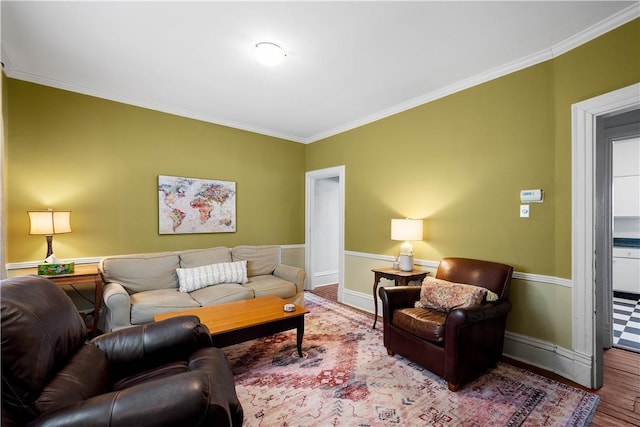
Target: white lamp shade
<point x="406" y="229"/>
<point x="49" y="222"/>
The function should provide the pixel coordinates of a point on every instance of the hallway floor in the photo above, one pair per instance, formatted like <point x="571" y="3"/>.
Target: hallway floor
<point x="626" y="324"/>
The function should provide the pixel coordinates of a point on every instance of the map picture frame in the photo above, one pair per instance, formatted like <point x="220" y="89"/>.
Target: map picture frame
<point x="195" y="205"/>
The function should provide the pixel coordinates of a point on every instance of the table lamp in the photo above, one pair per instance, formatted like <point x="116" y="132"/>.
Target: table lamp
<point x="406" y="230"/>
<point x="48" y="223"/>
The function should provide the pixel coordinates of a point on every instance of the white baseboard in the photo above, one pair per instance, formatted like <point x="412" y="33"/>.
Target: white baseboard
<point x="324" y="278"/>
<point x="564" y="362"/>
<point x="567" y="363"/>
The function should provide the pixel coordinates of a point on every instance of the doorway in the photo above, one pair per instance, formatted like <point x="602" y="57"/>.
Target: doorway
<point x="618" y="227"/>
<point x="324" y="225"/>
<point x="587" y="301"/>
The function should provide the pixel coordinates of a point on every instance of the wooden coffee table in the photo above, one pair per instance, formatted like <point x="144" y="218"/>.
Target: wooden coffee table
<point x="235" y="322"/>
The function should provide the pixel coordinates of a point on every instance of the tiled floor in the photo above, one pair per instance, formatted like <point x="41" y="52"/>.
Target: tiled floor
<point x="626" y="324"/>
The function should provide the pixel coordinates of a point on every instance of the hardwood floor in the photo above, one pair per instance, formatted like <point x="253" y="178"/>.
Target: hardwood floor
<point x="619" y="397"/>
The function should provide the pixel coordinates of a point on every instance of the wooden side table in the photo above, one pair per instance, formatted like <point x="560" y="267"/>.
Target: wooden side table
<point x="82" y="274"/>
<point x="398" y="276"/>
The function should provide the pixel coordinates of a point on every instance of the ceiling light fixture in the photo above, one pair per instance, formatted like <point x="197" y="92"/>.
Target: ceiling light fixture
<point x="269" y="54"/>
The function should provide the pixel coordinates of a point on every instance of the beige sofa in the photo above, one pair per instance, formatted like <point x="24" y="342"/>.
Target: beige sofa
<point x="139" y="286"/>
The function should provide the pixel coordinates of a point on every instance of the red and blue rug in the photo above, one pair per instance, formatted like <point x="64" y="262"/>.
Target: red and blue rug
<point x="347" y="379"/>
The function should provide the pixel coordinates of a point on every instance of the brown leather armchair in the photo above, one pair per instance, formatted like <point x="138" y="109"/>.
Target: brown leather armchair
<point x="161" y="374"/>
<point x="460" y="344"/>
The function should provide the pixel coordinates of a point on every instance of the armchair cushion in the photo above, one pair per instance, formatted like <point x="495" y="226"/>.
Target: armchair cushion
<point x="426" y="324"/>
<point x="444" y="296"/>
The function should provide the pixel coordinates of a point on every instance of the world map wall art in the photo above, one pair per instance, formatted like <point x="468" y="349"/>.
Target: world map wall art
<point x="192" y="205"/>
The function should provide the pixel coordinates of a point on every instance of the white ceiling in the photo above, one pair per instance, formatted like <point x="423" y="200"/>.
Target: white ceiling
<point x="348" y="63"/>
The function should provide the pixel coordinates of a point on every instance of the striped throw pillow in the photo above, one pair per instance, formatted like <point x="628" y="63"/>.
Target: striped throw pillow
<point x="191" y="279"/>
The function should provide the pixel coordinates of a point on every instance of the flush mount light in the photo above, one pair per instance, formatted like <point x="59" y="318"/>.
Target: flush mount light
<point x="269" y="54"/>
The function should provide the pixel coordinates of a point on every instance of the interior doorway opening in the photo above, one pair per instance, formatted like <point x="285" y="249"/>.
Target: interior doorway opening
<point x="324" y="225"/>
<point x="587" y="302"/>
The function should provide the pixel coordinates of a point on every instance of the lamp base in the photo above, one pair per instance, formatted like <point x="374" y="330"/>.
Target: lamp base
<point x="406" y="262"/>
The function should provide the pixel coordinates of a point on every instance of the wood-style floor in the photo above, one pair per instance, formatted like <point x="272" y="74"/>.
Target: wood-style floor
<point x="619" y="397"/>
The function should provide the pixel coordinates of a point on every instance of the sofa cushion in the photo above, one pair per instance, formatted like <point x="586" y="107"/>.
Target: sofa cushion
<point x="142" y="272"/>
<point x="191" y="279"/>
<point x="144" y="305"/>
<point x="224" y="292"/>
<point x="198" y="257"/>
<point x="271" y="285"/>
<point x="260" y="259"/>
<point x="445" y="296"/>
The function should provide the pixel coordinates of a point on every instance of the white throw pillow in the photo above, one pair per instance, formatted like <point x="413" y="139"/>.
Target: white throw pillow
<point x="191" y="279"/>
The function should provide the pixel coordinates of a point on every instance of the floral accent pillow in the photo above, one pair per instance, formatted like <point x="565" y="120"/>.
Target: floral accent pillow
<point x="444" y="296"/>
<point x="191" y="279"/>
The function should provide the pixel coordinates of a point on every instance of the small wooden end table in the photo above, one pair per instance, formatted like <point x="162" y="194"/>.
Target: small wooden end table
<point x="238" y="321"/>
<point x="399" y="277"/>
<point x="81" y="274"/>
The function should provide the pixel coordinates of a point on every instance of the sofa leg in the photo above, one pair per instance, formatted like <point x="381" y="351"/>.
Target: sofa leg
<point x="453" y="387"/>
<point x="390" y="352"/>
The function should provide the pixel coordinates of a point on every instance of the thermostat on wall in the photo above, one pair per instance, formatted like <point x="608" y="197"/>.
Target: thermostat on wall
<point x="531" y="196"/>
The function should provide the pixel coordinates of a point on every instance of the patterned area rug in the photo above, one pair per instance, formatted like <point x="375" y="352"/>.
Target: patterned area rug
<point x="346" y="378"/>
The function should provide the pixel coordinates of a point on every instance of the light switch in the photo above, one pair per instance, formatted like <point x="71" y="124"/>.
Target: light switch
<point x="524" y="211"/>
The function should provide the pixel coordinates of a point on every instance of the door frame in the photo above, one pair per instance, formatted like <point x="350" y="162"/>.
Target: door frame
<point x="310" y="178"/>
<point x="585" y="332"/>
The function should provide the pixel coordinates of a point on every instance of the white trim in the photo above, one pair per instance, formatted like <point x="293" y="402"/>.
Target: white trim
<point x="310" y="177"/>
<point x="583" y="145"/>
<point x="434" y="264"/>
<point x="32" y="264"/>
<point x="360" y="300"/>
<point x="572" y="42"/>
<point x="595" y="31"/>
<point x="542" y="354"/>
<point x="323" y="278"/>
<point x="96" y="260"/>
<point x="298" y="246"/>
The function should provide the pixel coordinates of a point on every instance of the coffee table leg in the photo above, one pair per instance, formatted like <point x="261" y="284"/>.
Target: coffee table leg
<point x="299" y="334"/>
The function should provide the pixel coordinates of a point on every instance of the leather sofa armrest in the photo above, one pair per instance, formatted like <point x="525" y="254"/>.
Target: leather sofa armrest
<point x="140" y="347"/>
<point x="291" y="274"/>
<point x="118" y="306"/>
<point x="186" y="399"/>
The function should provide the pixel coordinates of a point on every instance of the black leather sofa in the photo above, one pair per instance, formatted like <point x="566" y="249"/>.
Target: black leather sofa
<point x="160" y="374"/>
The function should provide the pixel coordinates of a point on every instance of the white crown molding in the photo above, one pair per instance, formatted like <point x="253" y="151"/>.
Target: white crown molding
<point x="11" y="72"/>
<point x="572" y="42"/>
<point x="611" y="23"/>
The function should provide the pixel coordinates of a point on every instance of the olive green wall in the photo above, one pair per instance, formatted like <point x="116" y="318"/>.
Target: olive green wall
<point x="605" y="64"/>
<point x="460" y="162"/>
<point x="101" y="160"/>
